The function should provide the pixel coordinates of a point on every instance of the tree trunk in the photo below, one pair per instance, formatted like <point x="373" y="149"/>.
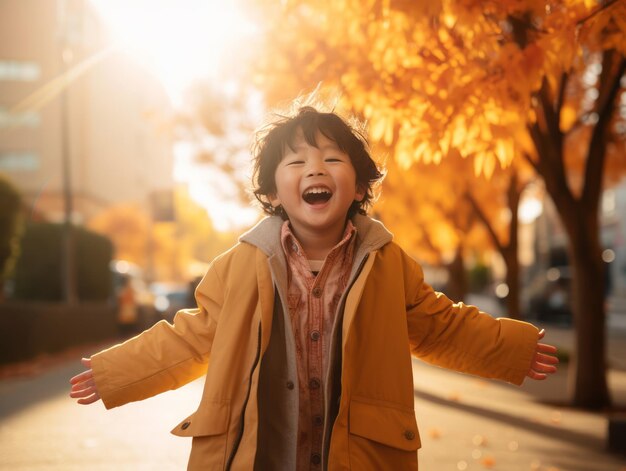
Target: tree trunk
<point x="589" y="384"/>
<point x="580" y="216"/>
<point x="456" y="288"/>
<point x="512" y="281"/>
<point x="509" y="251"/>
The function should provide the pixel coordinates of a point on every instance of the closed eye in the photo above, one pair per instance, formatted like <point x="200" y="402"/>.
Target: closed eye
<point x="295" y="162"/>
<point x="334" y="159"/>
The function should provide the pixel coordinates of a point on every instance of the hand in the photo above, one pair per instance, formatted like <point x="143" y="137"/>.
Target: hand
<point x="543" y="361"/>
<point x="84" y="386"/>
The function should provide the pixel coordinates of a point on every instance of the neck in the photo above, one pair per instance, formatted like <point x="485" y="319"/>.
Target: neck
<point x="316" y="244"/>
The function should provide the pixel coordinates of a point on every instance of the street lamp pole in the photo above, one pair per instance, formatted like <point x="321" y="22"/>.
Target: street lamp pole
<point x="68" y="265"/>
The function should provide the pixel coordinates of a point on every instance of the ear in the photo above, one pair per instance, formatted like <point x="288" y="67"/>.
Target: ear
<point x="361" y="191"/>
<point x="274" y="200"/>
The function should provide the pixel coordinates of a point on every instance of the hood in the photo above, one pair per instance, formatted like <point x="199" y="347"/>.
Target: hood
<point x="371" y="234"/>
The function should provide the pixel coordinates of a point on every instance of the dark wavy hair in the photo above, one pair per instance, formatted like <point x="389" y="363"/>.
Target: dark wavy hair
<point x="272" y="140"/>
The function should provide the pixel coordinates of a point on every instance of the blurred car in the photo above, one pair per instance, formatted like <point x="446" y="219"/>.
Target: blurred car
<point x="551" y="303"/>
<point x="169" y="298"/>
<point x="146" y="313"/>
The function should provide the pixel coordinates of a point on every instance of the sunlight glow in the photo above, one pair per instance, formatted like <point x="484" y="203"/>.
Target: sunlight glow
<point x="218" y="195"/>
<point x="178" y="40"/>
<point x="529" y="210"/>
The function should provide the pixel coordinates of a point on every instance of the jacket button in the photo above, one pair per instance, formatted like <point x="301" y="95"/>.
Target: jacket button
<point x="316" y="458"/>
<point x="314" y="383"/>
<point x="290" y="385"/>
<point x="317" y="292"/>
<point x="409" y="435"/>
<point x="315" y="335"/>
<point x="185" y="425"/>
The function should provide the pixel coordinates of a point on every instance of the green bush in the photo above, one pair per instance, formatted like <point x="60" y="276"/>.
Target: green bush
<point x="38" y="274"/>
<point x="479" y="277"/>
<point x="10" y="227"/>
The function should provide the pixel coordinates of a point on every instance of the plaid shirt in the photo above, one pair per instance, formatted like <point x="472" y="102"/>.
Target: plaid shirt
<point x="313" y="301"/>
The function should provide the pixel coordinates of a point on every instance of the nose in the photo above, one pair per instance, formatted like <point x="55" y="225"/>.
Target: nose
<point x="316" y="168"/>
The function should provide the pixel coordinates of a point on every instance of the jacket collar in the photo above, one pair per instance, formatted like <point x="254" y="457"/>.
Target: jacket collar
<point x="370" y="233"/>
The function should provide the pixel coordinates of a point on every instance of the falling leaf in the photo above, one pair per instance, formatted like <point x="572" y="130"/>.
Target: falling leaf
<point x="434" y="433"/>
<point x="454" y="397"/>
<point x="488" y="462"/>
<point x="479" y="440"/>
<point x="482" y="384"/>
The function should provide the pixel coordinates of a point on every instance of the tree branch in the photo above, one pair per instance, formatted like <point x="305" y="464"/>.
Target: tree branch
<point x="560" y="97"/>
<point x="613" y="68"/>
<point x="483" y="218"/>
<point x="595" y="12"/>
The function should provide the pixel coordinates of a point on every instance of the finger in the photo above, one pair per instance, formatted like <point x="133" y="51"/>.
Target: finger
<point x="83" y="385"/>
<point x="552" y="360"/>
<point x="84" y="376"/>
<point x="86" y="362"/>
<point x="89" y="400"/>
<point x="543" y="368"/>
<point x="536" y="376"/>
<point x="541" y="333"/>
<point x="545" y="348"/>
<point x="82" y="392"/>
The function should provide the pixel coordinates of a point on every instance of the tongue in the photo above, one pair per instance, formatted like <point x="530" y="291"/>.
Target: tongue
<point x="316" y="198"/>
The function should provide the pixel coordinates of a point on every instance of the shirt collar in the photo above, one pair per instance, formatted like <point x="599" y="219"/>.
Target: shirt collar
<point x="291" y="245"/>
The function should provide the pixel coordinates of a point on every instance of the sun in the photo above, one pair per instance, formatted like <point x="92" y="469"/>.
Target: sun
<point x="178" y="40"/>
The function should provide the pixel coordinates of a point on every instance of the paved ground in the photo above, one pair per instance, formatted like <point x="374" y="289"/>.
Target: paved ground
<point x="472" y="424"/>
<point x="465" y="424"/>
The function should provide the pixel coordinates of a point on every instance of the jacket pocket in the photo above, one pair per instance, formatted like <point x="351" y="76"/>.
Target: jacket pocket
<point x="208" y="427"/>
<point x="211" y="418"/>
<point x="382" y="436"/>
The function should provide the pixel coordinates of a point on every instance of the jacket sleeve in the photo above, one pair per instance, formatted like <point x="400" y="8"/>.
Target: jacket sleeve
<point x="461" y="337"/>
<point x="165" y="356"/>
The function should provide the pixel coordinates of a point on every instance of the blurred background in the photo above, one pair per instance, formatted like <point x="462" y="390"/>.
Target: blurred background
<point x="126" y="127"/>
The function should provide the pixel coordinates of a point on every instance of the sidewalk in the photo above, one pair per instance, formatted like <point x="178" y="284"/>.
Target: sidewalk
<point x="563" y="337"/>
<point x="468" y="423"/>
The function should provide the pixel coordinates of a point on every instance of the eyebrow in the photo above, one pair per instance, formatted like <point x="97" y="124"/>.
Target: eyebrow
<point x="330" y="146"/>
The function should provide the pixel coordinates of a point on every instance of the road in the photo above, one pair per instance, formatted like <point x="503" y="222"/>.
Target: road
<point x="465" y="424"/>
<point x="43" y="429"/>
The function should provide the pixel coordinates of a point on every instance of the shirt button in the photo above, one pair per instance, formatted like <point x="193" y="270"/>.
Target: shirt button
<point x="290" y="385"/>
<point x="316" y="458"/>
<point x="318" y="420"/>
<point x="409" y="435"/>
<point x="315" y="335"/>
<point x="314" y="383"/>
<point x="317" y="292"/>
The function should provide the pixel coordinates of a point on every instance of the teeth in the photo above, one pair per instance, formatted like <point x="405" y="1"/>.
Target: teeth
<point x="316" y="190"/>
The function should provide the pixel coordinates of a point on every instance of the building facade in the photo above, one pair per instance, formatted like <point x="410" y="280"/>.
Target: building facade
<point x="82" y="126"/>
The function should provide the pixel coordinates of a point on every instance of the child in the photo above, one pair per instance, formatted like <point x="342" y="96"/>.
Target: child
<point x="305" y="329"/>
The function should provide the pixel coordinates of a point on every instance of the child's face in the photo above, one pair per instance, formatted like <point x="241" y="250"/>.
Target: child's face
<point x="316" y="185"/>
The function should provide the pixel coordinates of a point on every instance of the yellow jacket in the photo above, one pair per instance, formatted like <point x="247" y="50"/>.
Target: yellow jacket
<point x="240" y="339"/>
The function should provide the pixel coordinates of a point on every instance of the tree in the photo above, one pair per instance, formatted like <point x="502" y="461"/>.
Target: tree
<point x="494" y="82"/>
<point x="11" y="226"/>
<point x="427" y="200"/>
<point x="128" y="227"/>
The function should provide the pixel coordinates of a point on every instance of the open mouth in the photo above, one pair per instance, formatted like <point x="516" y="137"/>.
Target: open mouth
<point x="317" y="195"/>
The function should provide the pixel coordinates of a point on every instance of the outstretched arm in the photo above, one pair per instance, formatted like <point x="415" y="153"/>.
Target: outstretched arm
<point x="84" y="386"/>
<point x="544" y="361"/>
